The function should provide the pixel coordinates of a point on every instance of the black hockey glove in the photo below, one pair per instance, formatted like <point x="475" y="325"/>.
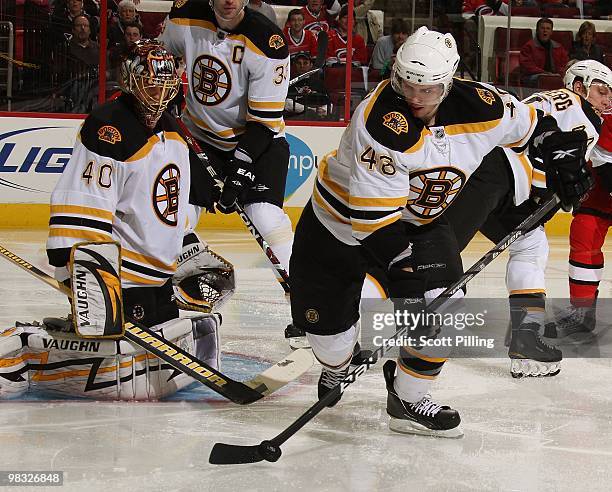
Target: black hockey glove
<point x="566" y="172"/>
<point x="240" y="177"/>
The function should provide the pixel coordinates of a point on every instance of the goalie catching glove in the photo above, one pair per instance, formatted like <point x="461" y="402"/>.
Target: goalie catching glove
<point x="566" y="172"/>
<point x="203" y="279"/>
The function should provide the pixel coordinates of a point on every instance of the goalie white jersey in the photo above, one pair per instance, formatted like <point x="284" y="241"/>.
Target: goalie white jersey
<point x="233" y="77"/>
<point x="390" y="166"/>
<point x="572" y="112"/>
<point x="126" y="185"/>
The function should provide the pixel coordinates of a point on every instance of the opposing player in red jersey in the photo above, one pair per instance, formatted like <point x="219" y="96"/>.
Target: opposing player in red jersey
<point x="587" y="235"/>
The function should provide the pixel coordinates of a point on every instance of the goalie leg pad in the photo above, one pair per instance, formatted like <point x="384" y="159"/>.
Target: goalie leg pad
<point x="206" y="337"/>
<point x="97" y="302"/>
<point x="66" y="365"/>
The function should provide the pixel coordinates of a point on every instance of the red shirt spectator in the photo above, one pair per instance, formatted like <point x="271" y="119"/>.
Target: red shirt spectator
<point x="484" y="7"/>
<point x="542" y="55"/>
<point x="338" y="40"/>
<point x="316" y="18"/>
<point x="298" y="39"/>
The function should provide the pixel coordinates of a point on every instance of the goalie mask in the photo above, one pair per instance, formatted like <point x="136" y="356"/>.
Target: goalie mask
<point x="148" y="73"/>
<point x="426" y="58"/>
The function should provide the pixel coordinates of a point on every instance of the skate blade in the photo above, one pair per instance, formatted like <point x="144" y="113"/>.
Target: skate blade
<point x="298" y="342"/>
<point x="528" y="368"/>
<point x="404" y="426"/>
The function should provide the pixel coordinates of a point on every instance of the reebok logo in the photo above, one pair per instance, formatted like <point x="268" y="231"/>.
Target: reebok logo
<point x="562" y="154"/>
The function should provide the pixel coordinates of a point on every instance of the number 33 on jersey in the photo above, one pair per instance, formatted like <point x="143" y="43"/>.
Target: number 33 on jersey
<point x="234" y="78"/>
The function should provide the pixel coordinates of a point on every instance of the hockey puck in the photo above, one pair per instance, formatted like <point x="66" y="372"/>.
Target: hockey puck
<point x="269" y="452"/>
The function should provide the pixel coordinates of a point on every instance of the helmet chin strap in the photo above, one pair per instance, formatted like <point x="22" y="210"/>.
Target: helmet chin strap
<point x="225" y="19"/>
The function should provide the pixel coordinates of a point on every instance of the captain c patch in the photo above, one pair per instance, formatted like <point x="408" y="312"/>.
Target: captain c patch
<point x="276" y="41"/>
<point x="486" y="95"/>
<point x="109" y="134"/>
<point x="396" y="122"/>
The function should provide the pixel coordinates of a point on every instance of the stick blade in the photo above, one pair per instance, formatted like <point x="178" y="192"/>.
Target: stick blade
<point x="230" y="454"/>
<point x="322" y="42"/>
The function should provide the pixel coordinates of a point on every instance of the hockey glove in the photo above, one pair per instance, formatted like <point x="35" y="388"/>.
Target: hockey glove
<point x="240" y="177"/>
<point x="566" y="172"/>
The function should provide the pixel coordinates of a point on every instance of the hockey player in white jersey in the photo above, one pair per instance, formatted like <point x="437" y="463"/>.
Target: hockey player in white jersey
<point x="131" y="180"/>
<point x="413" y="132"/>
<point x="507" y="188"/>
<point x="237" y="65"/>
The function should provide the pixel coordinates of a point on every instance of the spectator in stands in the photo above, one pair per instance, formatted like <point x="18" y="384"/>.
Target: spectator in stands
<point x="387" y="46"/>
<point x="298" y="39"/>
<point x="307" y="97"/>
<point x="90" y="7"/>
<point x="127" y="14"/>
<point x="132" y="32"/>
<point x="263" y="8"/>
<point x="77" y="73"/>
<point x="338" y="40"/>
<point x="584" y="48"/>
<point x="316" y="18"/>
<point x="541" y="55"/>
<point x="63" y="17"/>
<point x="474" y="8"/>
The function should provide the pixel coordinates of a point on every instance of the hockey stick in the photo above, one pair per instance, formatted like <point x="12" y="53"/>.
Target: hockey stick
<point x="281" y="274"/>
<point x="322" y="41"/>
<point x="269" y="450"/>
<point x="264" y="384"/>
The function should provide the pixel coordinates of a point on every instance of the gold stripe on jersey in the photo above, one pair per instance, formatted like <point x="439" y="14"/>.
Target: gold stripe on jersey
<point x="421" y="141"/>
<point x="137" y="279"/>
<point x="79" y="234"/>
<point x="275" y="124"/>
<point x="377" y="285"/>
<point x="330" y="210"/>
<point x="175" y="136"/>
<point x="211" y="27"/>
<point x="372" y="226"/>
<point x="334" y="188"/>
<point x="527" y="167"/>
<point x="147" y="260"/>
<point x="392" y="203"/>
<point x="144" y="150"/>
<point x="77" y="210"/>
<point x="373" y="97"/>
<point x="462" y="128"/>
<point x="533" y="115"/>
<point x="231" y="132"/>
<point x="275" y="105"/>
<point x="539" y="178"/>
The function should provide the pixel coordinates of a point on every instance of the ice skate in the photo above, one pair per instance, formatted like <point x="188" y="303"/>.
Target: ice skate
<point x="573" y="322"/>
<point x="530" y="356"/>
<point x="424" y="417"/>
<point x="329" y="380"/>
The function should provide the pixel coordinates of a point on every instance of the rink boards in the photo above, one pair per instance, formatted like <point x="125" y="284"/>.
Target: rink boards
<point x="34" y="150"/>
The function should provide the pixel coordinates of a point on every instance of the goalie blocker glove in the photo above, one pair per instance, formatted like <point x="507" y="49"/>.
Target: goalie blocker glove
<point x="566" y="172"/>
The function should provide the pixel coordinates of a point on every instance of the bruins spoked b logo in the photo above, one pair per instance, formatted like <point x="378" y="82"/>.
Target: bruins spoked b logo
<point x="210" y="80"/>
<point x="166" y="194"/>
<point x="432" y="190"/>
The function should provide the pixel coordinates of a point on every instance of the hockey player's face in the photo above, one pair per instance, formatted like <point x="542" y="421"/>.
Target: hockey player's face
<point x="600" y="96"/>
<point x="423" y="99"/>
<point x="228" y="9"/>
